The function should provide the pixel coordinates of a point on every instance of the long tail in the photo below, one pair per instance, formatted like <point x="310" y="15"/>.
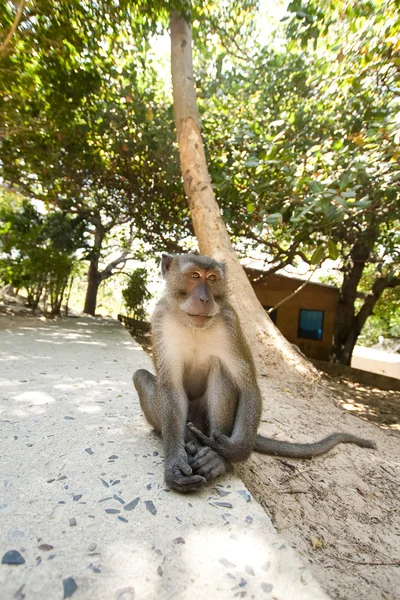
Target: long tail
<point x="290" y="450"/>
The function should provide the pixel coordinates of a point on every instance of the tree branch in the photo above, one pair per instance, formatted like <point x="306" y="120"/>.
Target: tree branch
<point x="296" y="291"/>
<point x="121" y="260"/>
<point x="395" y="563"/>
<point x="289" y="254"/>
<point x="239" y="54"/>
<point x="378" y="287"/>
<point x="14" y="26"/>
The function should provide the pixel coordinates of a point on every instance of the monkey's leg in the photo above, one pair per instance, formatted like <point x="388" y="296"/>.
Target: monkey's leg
<point x="221" y="403"/>
<point x="178" y="473"/>
<point x="234" y="415"/>
<point x="145" y="384"/>
<point x="222" y="399"/>
<point x="202" y="460"/>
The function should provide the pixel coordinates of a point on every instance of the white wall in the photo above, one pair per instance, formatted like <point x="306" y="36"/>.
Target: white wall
<point x="376" y="361"/>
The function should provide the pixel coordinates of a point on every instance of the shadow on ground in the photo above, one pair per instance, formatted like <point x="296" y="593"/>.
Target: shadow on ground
<point x="372" y="404"/>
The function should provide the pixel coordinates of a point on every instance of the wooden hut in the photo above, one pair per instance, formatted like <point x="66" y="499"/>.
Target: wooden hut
<point x="307" y="318"/>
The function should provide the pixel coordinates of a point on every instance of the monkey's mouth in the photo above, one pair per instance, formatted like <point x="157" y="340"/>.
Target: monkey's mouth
<point x="205" y="317"/>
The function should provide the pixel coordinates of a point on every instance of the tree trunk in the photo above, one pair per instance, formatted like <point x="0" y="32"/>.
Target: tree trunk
<point x="94" y="275"/>
<point x="57" y="299"/>
<point x="272" y="352"/>
<point x="71" y="281"/>
<point x="379" y="286"/>
<point x="94" y="280"/>
<point x="347" y="328"/>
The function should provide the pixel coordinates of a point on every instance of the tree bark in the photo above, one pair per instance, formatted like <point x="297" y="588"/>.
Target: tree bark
<point x="379" y="286"/>
<point x="347" y="324"/>
<point x="272" y="352"/>
<point x="94" y="280"/>
<point x="94" y="276"/>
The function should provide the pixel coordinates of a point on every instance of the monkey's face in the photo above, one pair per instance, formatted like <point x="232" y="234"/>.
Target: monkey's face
<point x="197" y="288"/>
<point x="197" y="295"/>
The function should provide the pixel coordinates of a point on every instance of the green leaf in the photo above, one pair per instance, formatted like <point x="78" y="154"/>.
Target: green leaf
<point x="319" y="255"/>
<point x="338" y="145"/>
<point x="274" y="218"/>
<point x="333" y="250"/>
<point x="316" y="187"/>
<point x="251" y="162"/>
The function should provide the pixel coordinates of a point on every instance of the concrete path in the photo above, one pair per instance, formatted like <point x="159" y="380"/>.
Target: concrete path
<point x="83" y="500"/>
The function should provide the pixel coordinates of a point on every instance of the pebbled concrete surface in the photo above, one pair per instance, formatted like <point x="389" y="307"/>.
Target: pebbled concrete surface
<point x="83" y="498"/>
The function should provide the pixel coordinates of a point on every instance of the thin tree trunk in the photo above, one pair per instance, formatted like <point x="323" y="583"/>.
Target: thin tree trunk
<point x="71" y="281"/>
<point x="58" y="298"/>
<point x="14" y="26"/>
<point x="379" y="286"/>
<point x="272" y="352"/>
<point x="347" y="329"/>
<point x="94" y="280"/>
<point x="94" y="275"/>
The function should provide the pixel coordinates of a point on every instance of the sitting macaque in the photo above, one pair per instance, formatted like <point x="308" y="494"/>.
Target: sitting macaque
<point x="204" y="398"/>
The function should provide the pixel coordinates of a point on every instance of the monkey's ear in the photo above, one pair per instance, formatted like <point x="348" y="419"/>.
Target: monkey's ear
<point x="166" y="261"/>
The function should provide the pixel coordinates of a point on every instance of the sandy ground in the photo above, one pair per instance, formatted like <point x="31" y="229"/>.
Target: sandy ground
<point x="340" y="511"/>
<point x="369" y="403"/>
<point x="13" y="321"/>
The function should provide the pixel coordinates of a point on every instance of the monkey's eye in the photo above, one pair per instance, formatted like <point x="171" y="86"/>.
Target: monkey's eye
<point x="212" y="277"/>
<point x="195" y="275"/>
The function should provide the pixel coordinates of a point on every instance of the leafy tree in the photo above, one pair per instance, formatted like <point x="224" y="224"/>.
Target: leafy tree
<point x="302" y="139"/>
<point x="385" y="320"/>
<point x="304" y="150"/>
<point x="87" y="127"/>
<point x="37" y="252"/>
<point x="88" y="130"/>
<point x="136" y="294"/>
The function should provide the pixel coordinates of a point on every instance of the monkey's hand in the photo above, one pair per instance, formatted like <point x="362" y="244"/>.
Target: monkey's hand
<point x="178" y="475"/>
<point x="205" y="461"/>
<point x="223" y="445"/>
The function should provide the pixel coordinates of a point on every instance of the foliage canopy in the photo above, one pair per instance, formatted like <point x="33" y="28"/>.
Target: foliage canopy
<point x="302" y="133"/>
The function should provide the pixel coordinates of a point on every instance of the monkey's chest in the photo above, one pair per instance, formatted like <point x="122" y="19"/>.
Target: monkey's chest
<point x="197" y="359"/>
<point x="191" y="352"/>
<point x="195" y="379"/>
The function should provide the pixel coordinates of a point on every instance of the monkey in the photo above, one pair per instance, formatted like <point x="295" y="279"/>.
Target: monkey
<point x="204" y="399"/>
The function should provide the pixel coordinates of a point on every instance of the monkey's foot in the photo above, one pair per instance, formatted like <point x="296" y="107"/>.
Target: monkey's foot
<point x="205" y="461"/>
<point x="178" y="475"/>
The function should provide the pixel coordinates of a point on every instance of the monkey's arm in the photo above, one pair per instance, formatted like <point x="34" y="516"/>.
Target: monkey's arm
<point x="239" y="445"/>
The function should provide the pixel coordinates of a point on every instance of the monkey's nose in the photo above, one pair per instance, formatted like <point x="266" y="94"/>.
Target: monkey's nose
<point x="204" y="299"/>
